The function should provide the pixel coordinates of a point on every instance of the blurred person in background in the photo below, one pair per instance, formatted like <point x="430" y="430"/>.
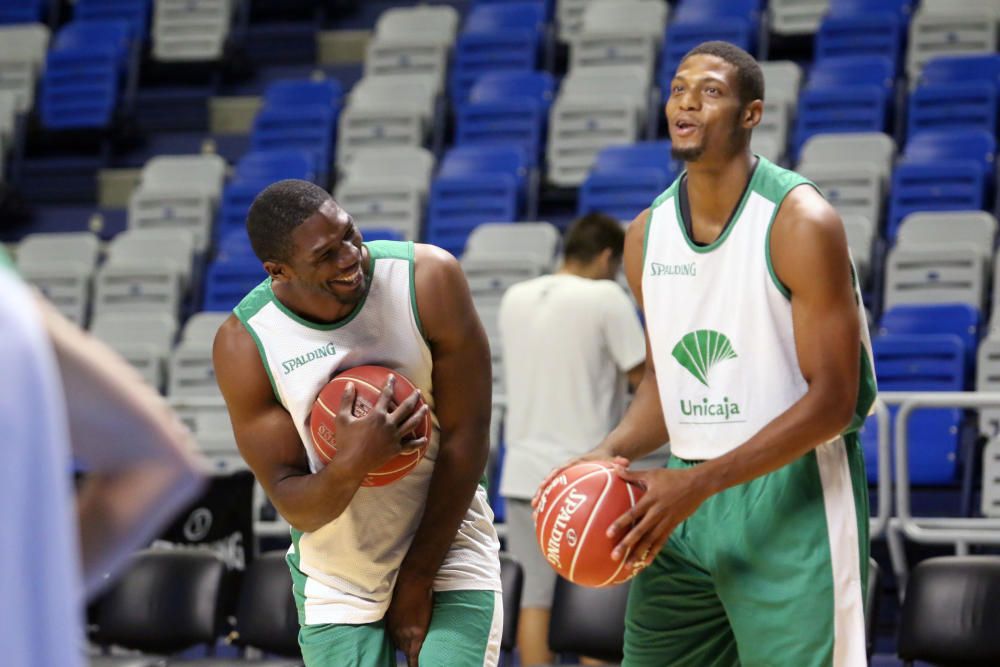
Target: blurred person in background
<point x="572" y="343"/>
<point x="68" y="397"/>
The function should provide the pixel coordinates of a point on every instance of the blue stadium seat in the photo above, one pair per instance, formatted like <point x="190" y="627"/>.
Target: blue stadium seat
<point x="235" y="247"/>
<point x="301" y="115"/>
<point x="381" y="234"/>
<point x="499" y="36"/>
<point x="475" y="184"/>
<point x="956" y="69"/>
<point x="254" y="172"/>
<point x="275" y="165"/>
<point x="853" y="30"/>
<point x="958" y="319"/>
<point x="84" y="71"/>
<point x="845" y="94"/>
<point x="942" y="171"/>
<point x="509" y="108"/>
<point x="325" y="92"/>
<point x="134" y="12"/>
<point x="930" y="362"/>
<point x="697" y="21"/>
<point x="626" y="179"/>
<point x="941" y="106"/>
<point x="548" y="6"/>
<point x="22" y="11"/>
<point x="226" y="282"/>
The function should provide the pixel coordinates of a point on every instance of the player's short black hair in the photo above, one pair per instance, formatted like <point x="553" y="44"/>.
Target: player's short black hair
<point x="277" y="211"/>
<point x="749" y="77"/>
<point x="589" y="236"/>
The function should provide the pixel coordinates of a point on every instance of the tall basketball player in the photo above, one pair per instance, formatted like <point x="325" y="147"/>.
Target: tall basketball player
<point x="761" y="375"/>
<point x="412" y="564"/>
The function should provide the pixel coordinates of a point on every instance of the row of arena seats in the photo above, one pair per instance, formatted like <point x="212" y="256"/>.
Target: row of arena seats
<point x="167" y="603"/>
<point x="607" y="97"/>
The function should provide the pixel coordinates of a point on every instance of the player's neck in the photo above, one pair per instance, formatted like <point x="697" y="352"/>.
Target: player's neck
<point x="714" y="188"/>
<point x="591" y="271"/>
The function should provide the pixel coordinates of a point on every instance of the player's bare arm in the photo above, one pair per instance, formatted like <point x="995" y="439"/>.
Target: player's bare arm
<point x="810" y="257"/>
<point x="463" y="392"/>
<point x="270" y="444"/>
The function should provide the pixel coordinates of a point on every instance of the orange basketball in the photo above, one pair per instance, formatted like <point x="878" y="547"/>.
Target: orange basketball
<point x="368" y="383"/>
<point x="571" y="522"/>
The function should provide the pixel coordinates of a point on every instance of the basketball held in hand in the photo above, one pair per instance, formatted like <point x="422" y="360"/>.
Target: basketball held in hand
<point x="573" y="515"/>
<point x="368" y="383"/>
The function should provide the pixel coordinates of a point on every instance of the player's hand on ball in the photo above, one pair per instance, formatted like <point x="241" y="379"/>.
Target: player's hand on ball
<point x="598" y="454"/>
<point x="671" y="497"/>
<point x="409" y="616"/>
<point x="378" y="436"/>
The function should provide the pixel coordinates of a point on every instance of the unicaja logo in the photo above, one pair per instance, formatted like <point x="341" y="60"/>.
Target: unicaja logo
<point x="698" y="353"/>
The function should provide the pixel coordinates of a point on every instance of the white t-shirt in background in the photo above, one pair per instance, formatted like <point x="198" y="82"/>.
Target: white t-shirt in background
<point x="567" y="344"/>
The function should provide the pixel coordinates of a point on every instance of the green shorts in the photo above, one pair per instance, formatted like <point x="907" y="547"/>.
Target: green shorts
<point x="465" y="632"/>
<point x="770" y="573"/>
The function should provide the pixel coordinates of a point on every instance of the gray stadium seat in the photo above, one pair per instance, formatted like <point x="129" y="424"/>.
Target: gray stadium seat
<point x="860" y="235"/>
<point x="190" y="30"/>
<point x="851" y="148"/>
<point x="144" y="339"/>
<point x="413" y="40"/>
<point x="8" y="117"/>
<point x="951" y="28"/>
<point x="797" y="17"/>
<point x="940" y="228"/>
<point x="179" y="192"/>
<point x="569" y="17"/>
<point x="991" y="462"/>
<point x="853" y="190"/>
<point x="386" y="187"/>
<point x="596" y="107"/>
<point x="22" y="58"/>
<point x="146" y="269"/>
<point x="388" y="110"/>
<point x="955" y="273"/>
<point x="782" y="80"/>
<point x="988" y="379"/>
<point x="203" y="326"/>
<point x="620" y="32"/>
<point x="770" y="137"/>
<point x="534" y="241"/>
<point x="61" y="266"/>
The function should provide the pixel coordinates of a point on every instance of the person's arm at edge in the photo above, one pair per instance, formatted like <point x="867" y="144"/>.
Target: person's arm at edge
<point x="142" y="465"/>
<point x="462" y="394"/>
<point x="810" y="257"/>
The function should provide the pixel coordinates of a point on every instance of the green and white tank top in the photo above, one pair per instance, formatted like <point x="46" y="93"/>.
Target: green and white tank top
<point x="346" y="570"/>
<point x="720" y="323"/>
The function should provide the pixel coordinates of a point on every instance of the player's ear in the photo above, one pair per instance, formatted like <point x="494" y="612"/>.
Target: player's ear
<point x="277" y="270"/>
<point x="751" y="115"/>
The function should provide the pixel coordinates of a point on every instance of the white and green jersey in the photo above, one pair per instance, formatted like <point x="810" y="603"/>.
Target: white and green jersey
<point x="720" y="323"/>
<point x="345" y="571"/>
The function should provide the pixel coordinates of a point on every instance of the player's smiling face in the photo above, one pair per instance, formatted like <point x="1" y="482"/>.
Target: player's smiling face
<point x="703" y="109"/>
<point x="328" y="257"/>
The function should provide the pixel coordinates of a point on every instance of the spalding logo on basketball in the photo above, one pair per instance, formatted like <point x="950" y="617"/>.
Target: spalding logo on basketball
<point x="368" y="382"/>
<point x="572" y="518"/>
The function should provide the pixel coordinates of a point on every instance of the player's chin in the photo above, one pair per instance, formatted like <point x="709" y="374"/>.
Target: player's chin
<point x="346" y="292"/>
